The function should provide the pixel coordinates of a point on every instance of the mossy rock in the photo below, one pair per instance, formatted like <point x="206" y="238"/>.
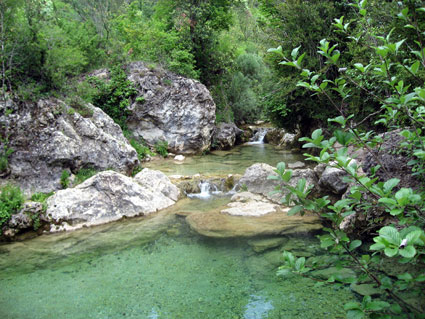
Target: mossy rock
<point x="261" y="245"/>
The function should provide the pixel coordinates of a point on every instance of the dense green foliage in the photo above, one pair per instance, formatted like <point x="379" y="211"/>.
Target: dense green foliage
<point x="396" y="66"/>
<point x="161" y="147"/>
<point x="11" y="200"/>
<point x="114" y="96"/>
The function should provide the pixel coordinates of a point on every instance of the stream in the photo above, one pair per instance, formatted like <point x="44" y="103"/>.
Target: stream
<point x="157" y="267"/>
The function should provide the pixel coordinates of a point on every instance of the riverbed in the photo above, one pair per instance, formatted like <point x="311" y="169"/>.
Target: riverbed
<point x="157" y="267"/>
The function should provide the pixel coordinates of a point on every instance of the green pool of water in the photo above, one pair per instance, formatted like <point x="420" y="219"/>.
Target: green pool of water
<point x="156" y="267"/>
<point x="234" y="161"/>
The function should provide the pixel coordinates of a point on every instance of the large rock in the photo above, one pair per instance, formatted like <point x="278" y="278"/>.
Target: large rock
<point x="281" y="138"/>
<point x="49" y="136"/>
<point x="226" y="136"/>
<point x="219" y="225"/>
<point x="256" y="180"/>
<point x="332" y="179"/>
<point x="157" y="181"/>
<point x="109" y="196"/>
<point x="176" y="109"/>
<point x="392" y="160"/>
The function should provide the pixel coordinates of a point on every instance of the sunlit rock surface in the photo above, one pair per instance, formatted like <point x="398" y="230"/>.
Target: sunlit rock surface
<point x="178" y="110"/>
<point x="49" y="136"/>
<point x="110" y="196"/>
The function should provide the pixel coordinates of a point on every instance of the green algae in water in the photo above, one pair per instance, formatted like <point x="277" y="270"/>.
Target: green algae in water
<point x="170" y="276"/>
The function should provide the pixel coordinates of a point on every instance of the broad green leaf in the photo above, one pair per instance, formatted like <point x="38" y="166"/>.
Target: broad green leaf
<point x="390" y="234"/>
<point x="355" y="314"/>
<point x="281" y="166"/>
<point x="390" y="184"/>
<point x="294" y="210"/>
<point x="287" y="176"/>
<point x="391" y="252"/>
<point x="407" y="252"/>
<point x="316" y="134"/>
<point x="294" y="52"/>
<point x="406" y="276"/>
<point x="359" y="67"/>
<point x="299" y="264"/>
<point x="276" y="50"/>
<point x="413" y="236"/>
<point x="377" y="305"/>
<point x="283" y="272"/>
<point x="354" y="244"/>
<point x="388" y="201"/>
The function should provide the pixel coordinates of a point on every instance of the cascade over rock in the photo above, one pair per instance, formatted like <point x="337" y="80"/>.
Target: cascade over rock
<point x="50" y="136"/>
<point x="178" y="110"/>
<point x="110" y="196"/>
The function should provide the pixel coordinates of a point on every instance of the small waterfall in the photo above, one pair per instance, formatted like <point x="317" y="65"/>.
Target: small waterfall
<point x="207" y="189"/>
<point x="258" y="137"/>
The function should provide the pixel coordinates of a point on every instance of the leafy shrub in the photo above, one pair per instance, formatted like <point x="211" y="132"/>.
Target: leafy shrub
<point x="64" y="180"/>
<point x="401" y="106"/>
<point x="41" y="198"/>
<point x="78" y="105"/>
<point x="4" y="155"/>
<point x="11" y="200"/>
<point x="84" y="174"/>
<point x="161" y="147"/>
<point x="114" y="96"/>
<point x="142" y="150"/>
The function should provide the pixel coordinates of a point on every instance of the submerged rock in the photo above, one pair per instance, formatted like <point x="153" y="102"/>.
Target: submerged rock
<point x="260" y="245"/>
<point x="109" y="196"/>
<point x="251" y="215"/>
<point x="49" y="136"/>
<point x="219" y="225"/>
<point x="178" y="110"/>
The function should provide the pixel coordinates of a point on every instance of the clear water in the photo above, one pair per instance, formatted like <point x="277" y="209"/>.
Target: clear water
<point x="155" y="267"/>
<point x="226" y="162"/>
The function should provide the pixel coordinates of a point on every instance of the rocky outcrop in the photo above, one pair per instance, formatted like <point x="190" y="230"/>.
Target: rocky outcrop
<point x="109" y="196"/>
<point x="226" y="135"/>
<point x="49" y="136"/>
<point x="256" y="180"/>
<point x="332" y="180"/>
<point x="169" y="107"/>
<point x="393" y="162"/>
<point x="30" y="218"/>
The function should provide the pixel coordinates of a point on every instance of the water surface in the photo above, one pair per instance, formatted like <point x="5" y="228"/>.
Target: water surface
<point x="226" y="162"/>
<point x="156" y="267"/>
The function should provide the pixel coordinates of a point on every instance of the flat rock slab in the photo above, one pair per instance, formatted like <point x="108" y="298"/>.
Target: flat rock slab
<point x="219" y="225"/>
